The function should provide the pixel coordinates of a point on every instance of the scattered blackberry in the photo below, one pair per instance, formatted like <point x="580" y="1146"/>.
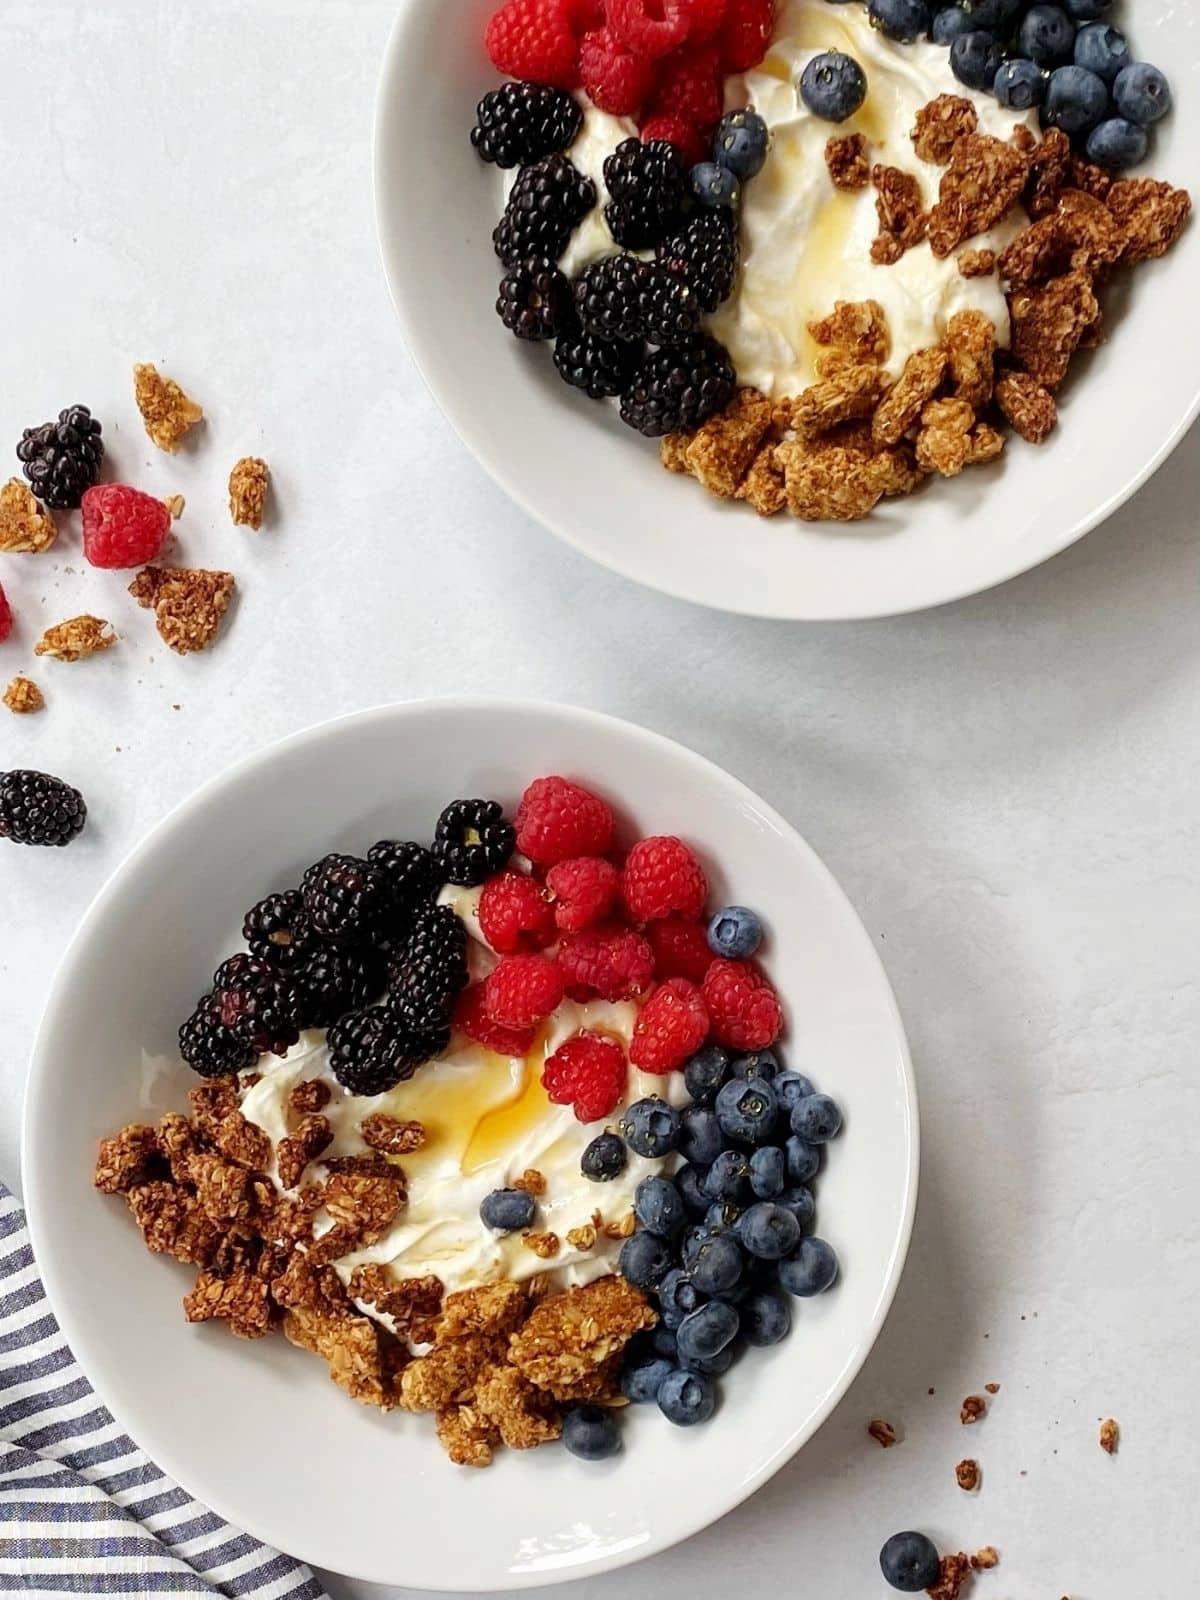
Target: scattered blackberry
<point x="430" y="971"/>
<point x="332" y="981"/>
<point x="472" y="841"/>
<point x="62" y="459"/>
<point x="209" y="1047"/>
<point x="623" y="297"/>
<point x="647" y="185"/>
<point x="704" y="255"/>
<point x="367" y="1054"/>
<point x="38" y="809"/>
<point x="600" y="367"/>
<point x="547" y="201"/>
<point x="408" y="868"/>
<point x="278" y="931"/>
<point x="535" y="300"/>
<point x="346" y="898"/>
<point x="678" y="387"/>
<point x="521" y="122"/>
<point x="257" y="1003"/>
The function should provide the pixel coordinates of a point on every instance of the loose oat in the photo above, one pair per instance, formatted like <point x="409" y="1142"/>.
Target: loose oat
<point x="583" y="1238"/>
<point x="25" y="526"/>
<point x="23" y="697"/>
<point x="531" y="1181"/>
<point x="167" y="412"/>
<point x="1110" y="1436"/>
<point x="188" y="603"/>
<point x="76" y="639"/>
<point x="544" y="1245"/>
<point x="248" y="484"/>
<point x="882" y="1432"/>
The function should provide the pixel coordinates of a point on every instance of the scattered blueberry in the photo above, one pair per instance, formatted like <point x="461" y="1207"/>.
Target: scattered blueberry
<point x="799" y="1201"/>
<point x="1117" y="144"/>
<point x="975" y="58"/>
<point x="746" y="1109"/>
<point x="905" y="20"/>
<point x="706" y="1332"/>
<point x="591" y="1433"/>
<point x="735" y="933"/>
<point x="910" y="1562"/>
<point x="700" y="1138"/>
<point x="833" y="85"/>
<point x="766" y="1317"/>
<point x="1019" y="85"/>
<point x="657" y="1206"/>
<point x="643" y="1377"/>
<point x="686" y="1398"/>
<point x="1102" y="50"/>
<point x="758" y="1064"/>
<point x="689" y="1181"/>
<point x="706" y="1072"/>
<point x="803" y="1159"/>
<point x="1046" y="35"/>
<point x="728" y="1177"/>
<point x="678" y="1297"/>
<point x="716" y="1264"/>
<point x="645" y="1260"/>
<point x="604" y="1159"/>
<point x="768" y="1172"/>
<point x="741" y="143"/>
<point x="507" y="1210"/>
<point x="768" y="1230"/>
<point x="810" y="1269"/>
<point x="1141" y="94"/>
<point x="651" y="1127"/>
<point x="816" y="1118"/>
<point x="1076" y="99"/>
<point x="716" y="186"/>
<point x="949" y="24"/>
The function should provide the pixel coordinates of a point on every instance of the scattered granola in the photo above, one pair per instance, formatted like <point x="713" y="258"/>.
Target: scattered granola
<point x="856" y="329"/>
<point x="127" y="1158"/>
<point x="900" y="208"/>
<point x="1110" y="1436"/>
<point x="523" y="1416"/>
<point x="981" y="184"/>
<point x="188" y="603"/>
<point x="314" y="1094"/>
<point x="544" y="1245"/>
<point x="175" y="505"/>
<point x="882" y="1432"/>
<point x="412" y="1304"/>
<point x="23" y="697"/>
<point x="977" y="263"/>
<point x="846" y="158"/>
<point x="853" y="393"/>
<point x="167" y="412"/>
<point x="720" y="452"/>
<point x="967" y="1474"/>
<point x="971" y="343"/>
<point x="583" y="1238"/>
<point x="940" y="125"/>
<point x="1151" y="216"/>
<point x="248" y="484"/>
<point x="622" y="1228"/>
<point x="956" y="1571"/>
<point x="1048" y="324"/>
<point x="76" y="639"/>
<point x="309" y="1140"/>
<point x="25" y="526"/>
<point x="1027" y="406"/>
<point x="905" y="400"/>
<point x="570" y="1338"/>
<point x="992" y="1388"/>
<point x="984" y="1560"/>
<point x="973" y="1407"/>
<point x="390" y="1136"/>
<point x="531" y="1181"/>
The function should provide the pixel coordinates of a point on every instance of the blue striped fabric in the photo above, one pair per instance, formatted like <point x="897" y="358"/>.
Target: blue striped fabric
<point x="82" y="1510"/>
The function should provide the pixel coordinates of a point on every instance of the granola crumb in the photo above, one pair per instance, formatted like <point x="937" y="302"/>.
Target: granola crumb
<point x="312" y="1138"/>
<point x="390" y="1136"/>
<point x="76" y="639"/>
<point x="977" y="263"/>
<point x="25" y="526"/>
<point x="314" y="1094"/>
<point x="1110" y="1436"/>
<point x="175" y="506"/>
<point x="856" y="331"/>
<point x="967" y="1474"/>
<point x="900" y="208"/>
<point x="167" y="412"/>
<point x="531" y="1181"/>
<point x="955" y="1572"/>
<point x="940" y="125"/>
<point x="622" y="1228"/>
<point x="882" y="1432"/>
<point x="992" y="1388"/>
<point x="984" y="1560"/>
<point x="248" y="484"/>
<point x="583" y="1238"/>
<point x="188" y="603"/>
<point x="973" y="1407"/>
<point x="846" y="158"/>
<point x="23" y="697"/>
<point x="543" y="1245"/>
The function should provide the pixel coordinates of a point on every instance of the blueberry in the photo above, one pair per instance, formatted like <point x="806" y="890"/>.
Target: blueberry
<point x="728" y="1177"/>
<point x="1117" y="144"/>
<point x="810" y="1269"/>
<point x="1086" y="10"/>
<point x="605" y="1158"/>
<point x="816" y="1118"/>
<point x="1019" y="85"/>
<point x="790" y="1087"/>
<point x="658" y="1207"/>
<point x="905" y="20"/>
<point x="746" y="1109"/>
<point x="591" y="1433"/>
<point x="995" y="15"/>
<point x="758" y="1064"/>
<point x="975" y="58"/>
<point x="678" y="1297"/>
<point x="651" y="1127"/>
<point x="799" y="1201"/>
<point x="741" y="143"/>
<point x="706" y="1332"/>
<point x="1141" y="94"/>
<point x="735" y="933"/>
<point x="1102" y="50"/>
<point x="507" y="1210"/>
<point x="645" y="1260"/>
<point x="716" y="186"/>
<point x="910" y="1562"/>
<point x="768" y="1230"/>
<point x="706" y="1072"/>
<point x="833" y="86"/>
<point x="690" y="1183"/>
<point x="687" y="1398"/>
<point x="721" y="1216"/>
<point x="803" y="1159"/>
<point x="1076" y="99"/>
<point x="643" y="1376"/>
<point x="700" y="1138"/>
<point x="1046" y="35"/>
<point x="709" y="1366"/>
<point x="949" y="24"/>
<point x="662" y="1342"/>
<point x="766" y="1318"/>
<point x="716" y="1264"/>
<point x="768" y="1172"/>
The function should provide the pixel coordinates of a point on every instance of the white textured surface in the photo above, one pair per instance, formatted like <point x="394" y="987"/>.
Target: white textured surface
<point x="1009" y="789"/>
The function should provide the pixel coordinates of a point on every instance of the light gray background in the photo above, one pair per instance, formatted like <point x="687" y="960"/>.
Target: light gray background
<point x="1007" y="788"/>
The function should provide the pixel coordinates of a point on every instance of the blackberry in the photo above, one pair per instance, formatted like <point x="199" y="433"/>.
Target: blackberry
<point x="547" y="201"/>
<point x="704" y="255"/>
<point x="209" y="1047"/>
<point x="62" y="459"/>
<point x="535" y="300"/>
<point x="472" y="841"/>
<point x="256" y="1003"/>
<point x="368" y="1054"/>
<point x="332" y="981"/>
<point x="521" y="122"/>
<point x="409" y="869"/>
<point x="430" y="970"/>
<point x="346" y="898"/>
<point x="38" y="809"/>
<point x="623" y="297"/>
<point x="678" y="387"/>
<point x="648" y="186"/>
<point x="278" y="930"/>
<point x="600" y="367"/>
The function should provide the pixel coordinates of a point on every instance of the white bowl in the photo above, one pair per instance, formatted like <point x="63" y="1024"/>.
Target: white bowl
<point x="574" y="467"/>
<point x="257" y="1431"/>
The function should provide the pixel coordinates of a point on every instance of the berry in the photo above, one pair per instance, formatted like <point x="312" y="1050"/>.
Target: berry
<point x="803" y="1159"/>
<point x="975" y="58"/>
<point x="1141" y="94"/>
<point x="645" y="1260"/>
<point x="519" y="123"/>
<point x="671" y="1026"/>
<point x="768" y="1230"/>
<point x="585" y="890"/>
<point x="534" y="300"/>
<point x="650" y="27"/>
<point x="706" y="1072"/>
<point x="615" y="963"/>
<point x="687" y="1398"/>
<point x="689" y="1181"/>
<point x="756" y="1064"/>
<point x="721" y="1216"/>
<point x="746" y="1109"/>
<point x="522" y="990"/>
<point x="209" y="1047"/>
<point x="428" y="968"/>
<point x="679" y="387"/>
<point x="1102" y="50"/>
<point x="704" y="255"/>
<point x="546" y="203"/>
<point x="605" y="1158"/>
<point x="38" y="809"/>
<point x="558" y="819"/>
<point x="715" y="187"/>
<point x="766" y="1317"/>
<point x="507" y="1210"/>
<point x="658" y="1207"/>
<point x="729" y="1177"/>
<point x="591" y="1433"/>
<point x="1046" y="35"/>
<point x="687" y="138"/>
<point x="799" y="1201"/>
<point x="910" y="1562"/>
<point x="515" y="914"/>
<point x="1117" y="144"/>
<point x="1076" y="99"/>
<point x="1019" y="85"/>
<point x="409" y="869"/>
<point x="768" y="1172"/>
<point x="331" y="980"/>
<point x="833" y="86"/>
<point x="680" y="948"/>
<point x="534" y="39"/>
<point x="367" y="1053"/>
<point x="949" y="24"/>
<point x="258" y="1003"/>
<point x="746" y="33"/>
<point x="600" y="367"/>
<point x="62" y="459"/>
<point x="588" y="1071"/>
<point x="647" y="186"/>
<point x="642" y="1376"/>
<point x="662" y="1342"/>
<point x="996" y="15"/>
<point x="735" y="933"/>
<point x="122" y="527"/>
<point x="651" y="1127"/>
<point x="715" y="1263"/>
<point x="345" y="898"/>
<point x="470" y="1016"/>
<point x="472" y="840"/>
<point x="741" y="143"/>
<point x="678" y="1297"/>
<point x="623" y="297"/>
<point x="706" y="1332"/>
<point x="700" y="1138"/>
<point x="810" y="1269"/>
<point x="790" y="1087"/>
<point x="277" y="930"/>
<point x="661" y="876"/>
<point x="743" y="1007"/>
<point x="706" y="19"/>
<point x="617" y="80"/>
<point x="905" y="20"/>
<point x="816" y="1118"/>
<point x="1086" y="10"/>
<point x="689" y="86"/>
<point x="6" y="617"/>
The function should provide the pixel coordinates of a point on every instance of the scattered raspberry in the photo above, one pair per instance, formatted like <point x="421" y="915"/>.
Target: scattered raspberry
<point x="123" y="527"/>
<point x="470" y="1016"/>
<point x="680" y="949"/>
<point x="649" y="27"/>
<point x="691" y="142"/>
<point x="746" y="33"/>
<point x="515" y="914"/>
<point x="534" y="39"/>
<point x="6" y="617"/>
<point x="707" y="17"/>
<point x="558" y="819"/>
<point x="588" y="1072"/>
<point x="671" y="1026"/>
<point x="617" y="80"/>
<point x="585" y="891"/>
<point x="743" y="1007"/>
<point x="614" y="963"/>
<point x="661" y="876"/>
<point x="522" y="990"/>
<point x="690" y="86"/>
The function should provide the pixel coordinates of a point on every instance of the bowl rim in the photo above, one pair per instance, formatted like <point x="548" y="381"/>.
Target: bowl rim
<point x="36" y="1113"/>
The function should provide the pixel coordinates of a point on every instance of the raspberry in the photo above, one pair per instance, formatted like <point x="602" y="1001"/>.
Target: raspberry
<point x="471" y="1018"/>
<point x="6" y="617"/>
<point x="522" y="990"/>
<point x="123" y="527"/>
<point x="744" y="1008"/>
<point x="558" y="819"/>
<point x="534" y="39"/>
<point x="670" y="1028"/>
<point x="613" y="962"/>
<point x="746" y="33"/>
<point x="688" y="140"/>
<point x="649" y="27"/>
<point x="707" y="17"/>
<point x="617" y="80"/>
<point x="661" y="876"/>
<point x="680" y="949"/>
<point x="515" y="914"/>
<point x="585" y="891"/>
<point x="689" y="86"/>
<point x="588" y="1072"/>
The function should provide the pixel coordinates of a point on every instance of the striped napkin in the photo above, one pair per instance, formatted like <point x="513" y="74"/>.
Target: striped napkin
<point x="82" y="1510"/>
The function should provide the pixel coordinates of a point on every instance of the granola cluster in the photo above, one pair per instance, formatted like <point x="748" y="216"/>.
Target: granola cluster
<point x="76" y="639"/>
<point x="188" y="603"/>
